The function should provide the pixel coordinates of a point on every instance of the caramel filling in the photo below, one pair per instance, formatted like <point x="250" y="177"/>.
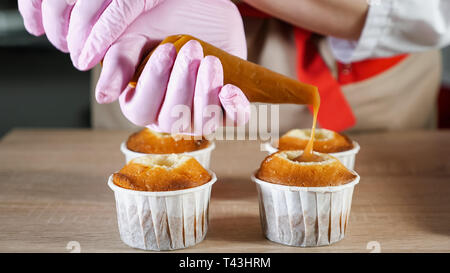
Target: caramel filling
<point x="308" y="155"/>
<point x="309" y="158"/>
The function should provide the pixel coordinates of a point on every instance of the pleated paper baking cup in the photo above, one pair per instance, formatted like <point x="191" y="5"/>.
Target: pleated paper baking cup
<point x="203" y="156"/>
<point x="162" y="220"/>
<point x="347" y="158"/>
<point x="304" y="216"/>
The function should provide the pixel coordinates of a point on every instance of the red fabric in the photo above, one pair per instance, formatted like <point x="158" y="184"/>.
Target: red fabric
<point x="335" y="112"/>
<point x="363" y="70"/>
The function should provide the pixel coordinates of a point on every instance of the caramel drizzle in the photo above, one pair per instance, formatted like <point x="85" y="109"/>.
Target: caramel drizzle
<point x="308" y="155"/>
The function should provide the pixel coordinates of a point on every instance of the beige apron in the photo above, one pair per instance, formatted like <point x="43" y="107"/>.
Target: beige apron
<point x="404" y="97"/>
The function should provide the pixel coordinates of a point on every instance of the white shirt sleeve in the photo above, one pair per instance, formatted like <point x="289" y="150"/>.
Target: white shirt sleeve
<point x="397" y="26"/>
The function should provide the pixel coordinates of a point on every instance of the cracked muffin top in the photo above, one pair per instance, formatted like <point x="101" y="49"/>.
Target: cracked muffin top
<point x="325" y="141"/>
<point x="162" y="173"/>
<point x="150" y="142"/>
<point x="286" y="168"/>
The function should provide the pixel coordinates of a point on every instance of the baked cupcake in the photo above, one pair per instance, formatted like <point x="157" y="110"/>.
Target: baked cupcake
<point x="147" y="141"/>
<point x="325" y="141"/>
<point x="162" y="201"/>
<point x="304" y="203"/>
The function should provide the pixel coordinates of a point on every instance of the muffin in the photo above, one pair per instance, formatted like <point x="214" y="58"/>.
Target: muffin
<point x="304" y="203"/>
<point x="284" y="168"/>
<point x="326" y="141"/>
<point x="147" y="141"/>
<point x="162" y="173"/>
<point x="162" y="201"/>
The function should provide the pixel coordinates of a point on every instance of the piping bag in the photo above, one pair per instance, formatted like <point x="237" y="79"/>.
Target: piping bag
<point x="259" y="84"/>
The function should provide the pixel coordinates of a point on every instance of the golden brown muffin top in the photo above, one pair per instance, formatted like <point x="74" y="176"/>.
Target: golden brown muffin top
<point x="326" y="141"/>
<point x="162" y="173"/>
<point x="282" y="168"/>
<point x="150" y="142"/>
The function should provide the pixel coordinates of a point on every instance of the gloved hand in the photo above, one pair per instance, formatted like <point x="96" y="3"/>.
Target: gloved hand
<point x="174" y="90"/>
<point x="123" y="31"/>
<point x="127" y="29"/>
<point x="71" y="25"/>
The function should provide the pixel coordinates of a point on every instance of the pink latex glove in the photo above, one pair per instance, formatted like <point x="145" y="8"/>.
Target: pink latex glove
<point x="77" y="26"/>
<point x="189" y="80"/>
<point x="127" y="29"/>
<point x="123" y="31"/>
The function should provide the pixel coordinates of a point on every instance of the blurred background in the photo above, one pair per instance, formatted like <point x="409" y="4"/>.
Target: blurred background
<point x="40" y="88"/>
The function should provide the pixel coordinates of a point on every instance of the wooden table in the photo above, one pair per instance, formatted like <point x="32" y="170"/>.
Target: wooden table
<point x="53" y="191"/>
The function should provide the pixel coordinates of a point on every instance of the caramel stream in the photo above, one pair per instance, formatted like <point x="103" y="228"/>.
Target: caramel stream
<point x="258" y="83"/>
<point x="308" y="155"/>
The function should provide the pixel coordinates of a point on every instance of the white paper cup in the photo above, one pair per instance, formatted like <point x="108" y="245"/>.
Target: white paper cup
<point x="203" y="156"/>
<point x="304" y="216"/>
<point x="164" y="220"/>
<point x="347" y="158"/>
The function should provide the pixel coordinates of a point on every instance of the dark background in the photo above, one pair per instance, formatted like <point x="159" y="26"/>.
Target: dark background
<point x="39" y="87"/>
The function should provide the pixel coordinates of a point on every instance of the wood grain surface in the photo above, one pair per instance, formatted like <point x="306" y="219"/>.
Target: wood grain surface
<point x="53" y="191"/>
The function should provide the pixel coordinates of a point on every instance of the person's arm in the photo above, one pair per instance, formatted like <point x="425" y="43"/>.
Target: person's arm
<point x="359" y="31"/>
<point x="396" y="27"/>
<point x="339" y="18"/>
